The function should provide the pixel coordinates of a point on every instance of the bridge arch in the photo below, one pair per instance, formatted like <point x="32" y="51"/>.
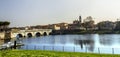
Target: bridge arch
<point x="29" y="35"/>
<point x="38" y="34"/>
<point x="45" y="34"/>
<point x="50" y="33"/>
<point x="19" y="35"/>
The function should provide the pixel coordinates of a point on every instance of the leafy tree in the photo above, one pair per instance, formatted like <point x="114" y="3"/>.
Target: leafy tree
<point x="4" y="25"/>
<point x="117" y="25"/>
<point x="88" y="23"/>
<point x="1" y="23"/>
<point x="105" y="25"/>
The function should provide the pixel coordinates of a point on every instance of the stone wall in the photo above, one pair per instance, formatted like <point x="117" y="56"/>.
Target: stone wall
<point x="2" y="35"/>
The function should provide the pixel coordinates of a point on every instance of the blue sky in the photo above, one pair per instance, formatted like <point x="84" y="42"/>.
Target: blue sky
<point x="40" y="12"/>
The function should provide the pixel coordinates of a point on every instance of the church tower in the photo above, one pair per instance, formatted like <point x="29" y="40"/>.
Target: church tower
<point x="80" y="19"/>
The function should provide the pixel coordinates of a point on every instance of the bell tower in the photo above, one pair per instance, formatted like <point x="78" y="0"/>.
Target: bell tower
<point x="80" y="19"/>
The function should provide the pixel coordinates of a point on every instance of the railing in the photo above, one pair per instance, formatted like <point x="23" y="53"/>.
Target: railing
<point x="74" y="49"/>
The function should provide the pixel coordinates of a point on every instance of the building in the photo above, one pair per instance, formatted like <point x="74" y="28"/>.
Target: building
<point x="73" y="26"/>
<point x="80" y="19"/>
<point x="76" y="24"/>
<point x="54" y="27"/>
<point x="59" y="26"/>
<point x="63" y="26"/>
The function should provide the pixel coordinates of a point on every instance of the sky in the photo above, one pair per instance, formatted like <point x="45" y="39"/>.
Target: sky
<point x="42" y="12"/>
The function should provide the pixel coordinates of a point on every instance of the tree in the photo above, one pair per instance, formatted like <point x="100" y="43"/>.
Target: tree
<point x="1" y="23"/>
<point x="4" y="25"/>
<point x="117" y="27"/>
<point x="105" y="25"/>
<point x="88" y="23"/>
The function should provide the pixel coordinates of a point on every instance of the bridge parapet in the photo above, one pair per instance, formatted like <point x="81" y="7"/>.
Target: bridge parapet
<point x="32" y="32"/>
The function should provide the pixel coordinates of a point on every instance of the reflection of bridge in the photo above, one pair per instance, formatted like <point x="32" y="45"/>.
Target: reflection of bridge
<point x="31" y="33"/>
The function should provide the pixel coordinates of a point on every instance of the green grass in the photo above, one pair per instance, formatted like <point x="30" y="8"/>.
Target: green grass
<point x="39" y="53"/>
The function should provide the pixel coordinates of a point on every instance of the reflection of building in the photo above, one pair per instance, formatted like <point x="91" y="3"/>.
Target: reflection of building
<point x="106" y="41"/>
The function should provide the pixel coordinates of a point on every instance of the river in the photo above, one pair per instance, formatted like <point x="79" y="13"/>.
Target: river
<point x="96" y="43"/>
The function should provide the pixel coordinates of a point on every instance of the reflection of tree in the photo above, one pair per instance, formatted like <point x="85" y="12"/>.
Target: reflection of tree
<point x="106" y="41"/>
<point x="87" y="40"/>
<point x="88" y="43"/>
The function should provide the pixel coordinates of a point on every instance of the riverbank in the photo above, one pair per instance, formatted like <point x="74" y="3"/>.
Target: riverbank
<point x="39" y="53"/>
<point x="63" y="32"/>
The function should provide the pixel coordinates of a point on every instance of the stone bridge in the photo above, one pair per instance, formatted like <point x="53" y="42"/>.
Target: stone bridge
<point x="31" y="33"/>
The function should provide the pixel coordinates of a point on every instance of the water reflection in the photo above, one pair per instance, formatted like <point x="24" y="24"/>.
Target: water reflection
<point x="106" y="40"/>
<point x="87" y="43"/>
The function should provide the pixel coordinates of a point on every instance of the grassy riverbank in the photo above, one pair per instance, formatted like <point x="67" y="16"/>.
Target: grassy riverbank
<point x="38" y="53"/>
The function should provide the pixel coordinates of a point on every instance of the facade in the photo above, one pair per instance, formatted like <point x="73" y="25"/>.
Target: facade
<point x="76" y="24"/>
<point x="73" y="26"/>
<point x="54" y="27"/>
<point x="63" y="26"/>
<point x="59" y="26"/>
